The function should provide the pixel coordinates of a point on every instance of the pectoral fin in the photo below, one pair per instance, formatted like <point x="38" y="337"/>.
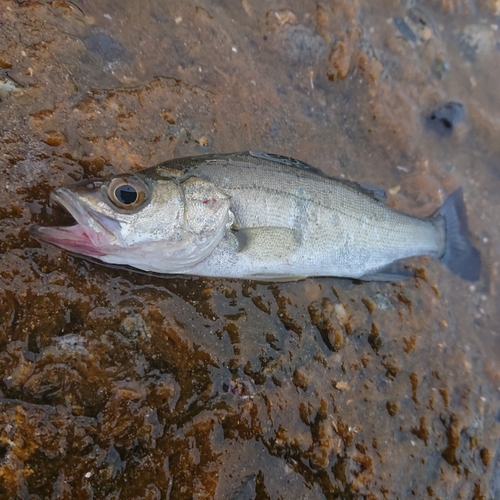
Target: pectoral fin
<point x="268" y="243"/>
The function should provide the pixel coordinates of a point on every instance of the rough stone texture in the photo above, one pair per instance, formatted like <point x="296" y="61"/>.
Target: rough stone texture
<point x="121" y="385"/>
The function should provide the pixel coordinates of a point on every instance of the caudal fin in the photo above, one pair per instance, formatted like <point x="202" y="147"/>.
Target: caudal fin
<point x="460" y="256"/>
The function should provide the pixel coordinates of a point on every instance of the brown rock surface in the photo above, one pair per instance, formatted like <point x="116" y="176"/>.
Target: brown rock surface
<point x="120" y="385"/>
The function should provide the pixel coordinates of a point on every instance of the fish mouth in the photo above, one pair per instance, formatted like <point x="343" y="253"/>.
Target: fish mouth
<point x="88" y="236"/>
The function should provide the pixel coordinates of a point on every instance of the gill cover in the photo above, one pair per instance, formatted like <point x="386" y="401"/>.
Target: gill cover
<point x="206" y="219"/>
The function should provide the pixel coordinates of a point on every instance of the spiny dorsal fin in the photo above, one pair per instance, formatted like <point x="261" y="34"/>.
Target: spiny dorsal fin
<point x="285" y="160"/>
<point x="368" y="189"/>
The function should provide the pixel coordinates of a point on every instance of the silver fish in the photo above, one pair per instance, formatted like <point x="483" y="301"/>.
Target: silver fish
<point x="254" y="215"/>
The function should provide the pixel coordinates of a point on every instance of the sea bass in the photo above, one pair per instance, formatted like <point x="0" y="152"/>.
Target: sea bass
<point x="254" y="215"/>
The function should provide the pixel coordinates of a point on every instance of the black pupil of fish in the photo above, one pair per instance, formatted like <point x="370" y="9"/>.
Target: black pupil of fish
<point x="126" y="194"/>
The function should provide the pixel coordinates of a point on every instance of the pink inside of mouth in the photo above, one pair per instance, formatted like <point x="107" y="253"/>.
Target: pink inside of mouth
<point x="71" y="238"/>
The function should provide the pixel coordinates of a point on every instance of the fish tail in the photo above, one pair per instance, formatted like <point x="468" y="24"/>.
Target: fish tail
<point x="460" y="256"/>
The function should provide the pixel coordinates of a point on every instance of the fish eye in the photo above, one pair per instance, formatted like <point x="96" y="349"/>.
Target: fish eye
<point x="127" y="192"/>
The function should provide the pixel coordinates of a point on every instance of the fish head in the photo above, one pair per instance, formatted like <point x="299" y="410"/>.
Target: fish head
<point x="153" y="224"/>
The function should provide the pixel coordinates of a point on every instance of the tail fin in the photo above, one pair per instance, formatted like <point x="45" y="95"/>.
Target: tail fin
<point x="460" y="256"/>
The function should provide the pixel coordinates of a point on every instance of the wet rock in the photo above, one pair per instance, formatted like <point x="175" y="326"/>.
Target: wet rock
<point x="382" y="302"/>
<point x="72" y="343"/>
<point x="495" y="479"/>
<point x="114" y="383"/>
<point x="243" y="388"/>
<point x="326" y="317"/>
<point x="419" y="30"/>
<point x="367" y="48"/>
<point x="247" y="490"/>
<point x="4" y="64"/>
<point x="134" y="326"/>
<point x="54" y="138"/>
<point x="300" y="378"/>
<point x="107" y="47"/>
<point x="392" y="408"/>
<point x="8" y="86"/>
<point x="301" y="45"/>
<point x="326" y="445"/>
<point x="478" y="41"/>
<point x="444" y="119"/>
<point x="420" y="23"/>
<point x="343" y="55"/>
<point x="403" y="28"/>
<point x="282" y="17"/>
<point x="416" y="27"/>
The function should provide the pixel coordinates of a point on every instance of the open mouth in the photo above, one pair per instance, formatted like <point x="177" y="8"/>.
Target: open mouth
<point x="83" y="237"/>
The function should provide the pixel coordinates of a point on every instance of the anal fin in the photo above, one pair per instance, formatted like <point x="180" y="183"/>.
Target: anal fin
<point x="395" y="271"/>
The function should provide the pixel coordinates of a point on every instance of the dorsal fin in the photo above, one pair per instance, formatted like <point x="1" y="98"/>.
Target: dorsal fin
<point x="368" y="189"/>
<point x="289" y="162"/>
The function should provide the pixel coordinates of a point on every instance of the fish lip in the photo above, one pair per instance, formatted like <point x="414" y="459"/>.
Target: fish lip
<point x="80" y="237"/>
<point x="85" y="216"/>
<point x="70" y="203"/>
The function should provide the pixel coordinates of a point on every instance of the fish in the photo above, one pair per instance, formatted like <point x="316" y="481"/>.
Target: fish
<point x="258" y="216"/>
